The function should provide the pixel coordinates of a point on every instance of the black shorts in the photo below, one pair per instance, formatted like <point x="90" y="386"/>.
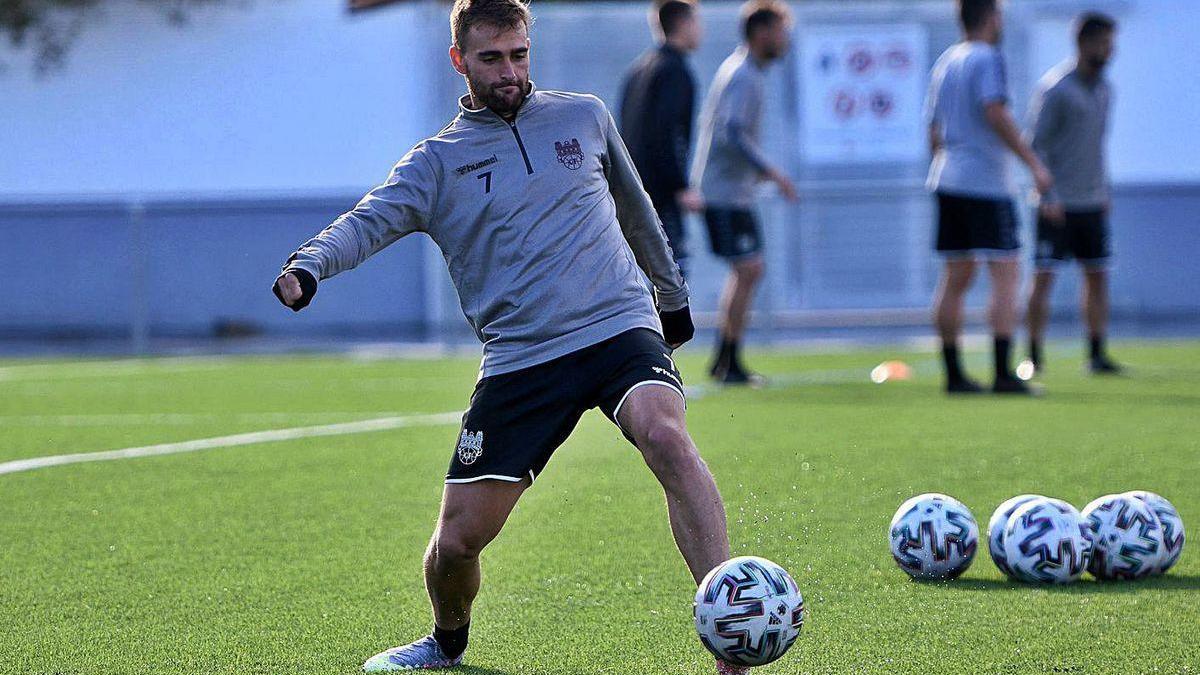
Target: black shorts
<point x="517" y="420"/>
<point x="968" y="226"/>
<point x="733" y="233"/>
<point x="1084" y="236"/>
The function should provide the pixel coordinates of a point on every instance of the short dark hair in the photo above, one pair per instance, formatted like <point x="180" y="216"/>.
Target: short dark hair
<point x="499" y="13"/>
<point x="972" y="13"/>
<point x="672" y="14"/>
<point x="1092" y="25"/>
<point x="761" y="14"/>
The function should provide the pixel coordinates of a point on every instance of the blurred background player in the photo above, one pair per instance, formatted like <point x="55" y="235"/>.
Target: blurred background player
<point x="658" y="101"/>
<point x="1068" y="121"/>
<point x="970" y="127"/>
<point x="729" y="165"/>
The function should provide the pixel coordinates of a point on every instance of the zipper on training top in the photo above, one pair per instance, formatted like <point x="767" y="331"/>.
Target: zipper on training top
<point x="521" y="145"/>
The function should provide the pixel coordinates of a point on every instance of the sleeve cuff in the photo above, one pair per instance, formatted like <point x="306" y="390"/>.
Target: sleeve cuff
<point x="677" y="299"/>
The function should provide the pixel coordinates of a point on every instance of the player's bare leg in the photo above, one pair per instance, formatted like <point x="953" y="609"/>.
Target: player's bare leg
<point x="654" y="417"/>
<point x="948" y="301"/>
<point x="472" y="515"/>
<point x="1095" y="309"/>
<point x="1037" y="314"/>
<point x="736" y="299"/>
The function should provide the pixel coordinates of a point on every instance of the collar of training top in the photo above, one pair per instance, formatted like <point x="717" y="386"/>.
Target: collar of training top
<point x="744" y="53"/>
<point x="488" y="115"/>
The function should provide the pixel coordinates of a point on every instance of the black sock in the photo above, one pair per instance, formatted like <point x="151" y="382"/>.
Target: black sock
<point x="1097" y="346"/>
<point x="721" y="357"/>
<point x="1002" y="347"/>
<point x="1035" y="352"/>
<point x="452" y="642"/>
<point x="735" y="356"/>
<point x="723" y="347"/>
<point x="954" y="371"/>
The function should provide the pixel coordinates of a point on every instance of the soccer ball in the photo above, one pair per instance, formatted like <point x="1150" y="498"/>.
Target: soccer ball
<point x="995" y="530"/>
<point x="748" y="611"/>
<point x="934" y="536"/>
<point x="1172" y="527"/>
<point x="1044" y="542"/>
<point x="1127" y="540"/>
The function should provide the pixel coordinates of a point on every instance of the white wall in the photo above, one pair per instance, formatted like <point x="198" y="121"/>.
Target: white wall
<point x="286" y="96"/>
<point x="275" y="95"/>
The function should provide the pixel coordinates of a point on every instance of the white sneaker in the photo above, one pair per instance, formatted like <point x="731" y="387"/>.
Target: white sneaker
<point x="424" y="654"/>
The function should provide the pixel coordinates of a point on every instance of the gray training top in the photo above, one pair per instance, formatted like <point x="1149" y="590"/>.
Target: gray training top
<point x="973" y="161"/>
<point x="729" y="162"/>
<point x="1068" y="119"/>
<point x="536" y="220"/>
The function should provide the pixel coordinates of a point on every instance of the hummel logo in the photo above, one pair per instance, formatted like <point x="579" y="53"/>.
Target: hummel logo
<point x="475" y="166"/>
<point x="666" y="373"/>
<point x="470" y="447"/>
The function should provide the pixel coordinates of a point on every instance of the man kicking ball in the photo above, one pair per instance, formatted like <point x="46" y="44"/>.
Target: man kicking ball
<point x="545" y="227"/>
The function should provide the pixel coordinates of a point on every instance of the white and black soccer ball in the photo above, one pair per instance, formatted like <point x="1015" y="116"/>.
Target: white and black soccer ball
<point x="1045" y="542"/>
<point x="1172" y="528"/>
<point x="1127" y="540"/>
<point x="934" y="536"/>
<point x="995" y="531"/>
<point x="748" y="611"/>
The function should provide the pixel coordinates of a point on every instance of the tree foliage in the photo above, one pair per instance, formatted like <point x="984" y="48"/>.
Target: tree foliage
<point x="47" y="28"/>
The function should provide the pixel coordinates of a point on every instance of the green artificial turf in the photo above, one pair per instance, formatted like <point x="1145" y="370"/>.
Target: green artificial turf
<point x="304" y="556"/>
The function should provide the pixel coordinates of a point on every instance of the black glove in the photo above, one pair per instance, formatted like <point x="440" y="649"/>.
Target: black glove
<point x="308" y="288"/>
<point x="677" y="326"/>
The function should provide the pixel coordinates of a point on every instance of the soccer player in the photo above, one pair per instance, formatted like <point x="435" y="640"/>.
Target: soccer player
<point x="1068" y="119"/>
<point x="970" y="129"/>
<point x="545" y="227"/>
<point x="657" y="104"/>
<point x="729" y="165"/>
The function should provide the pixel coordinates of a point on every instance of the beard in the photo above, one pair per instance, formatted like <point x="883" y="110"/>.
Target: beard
<point x="503" y="98"/>
<point x="1097" y="63"/>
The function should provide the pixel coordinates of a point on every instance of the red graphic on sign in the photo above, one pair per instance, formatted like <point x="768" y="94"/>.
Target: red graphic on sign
<point x="845" y="105"/>
<point x="898" y="58"/>
<point x="882" y="103"/>
<point x="860" y="61"/>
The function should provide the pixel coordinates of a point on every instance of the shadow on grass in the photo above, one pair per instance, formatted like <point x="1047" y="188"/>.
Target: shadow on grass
<point x="1167" y="582"/>
<point x="465" y="670"/>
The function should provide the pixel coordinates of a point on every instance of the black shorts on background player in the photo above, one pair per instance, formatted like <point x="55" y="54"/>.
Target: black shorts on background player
<point x="971" y="224"/>
<point x="733" y="233"/>
<point x="517" y="420"/>
<point x="1083" y="235"/>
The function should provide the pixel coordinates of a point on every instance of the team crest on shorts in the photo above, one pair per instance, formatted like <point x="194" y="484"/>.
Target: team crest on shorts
<point x="470" y="446"/>
<point x="569" y="153"/>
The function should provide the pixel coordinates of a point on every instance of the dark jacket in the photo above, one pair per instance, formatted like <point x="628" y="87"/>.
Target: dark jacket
<point x="657" y="107"/>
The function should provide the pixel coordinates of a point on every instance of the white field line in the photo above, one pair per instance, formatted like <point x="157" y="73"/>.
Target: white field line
<point x="180" y="419"/>
<point x="363" y="426"/>
<point x="81" y="369"/>
<point x="857" y="375"/>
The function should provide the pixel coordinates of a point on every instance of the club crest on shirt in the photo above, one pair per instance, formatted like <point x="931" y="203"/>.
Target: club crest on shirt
<point x="569" y="153"/>
<point x="470" y="447"/>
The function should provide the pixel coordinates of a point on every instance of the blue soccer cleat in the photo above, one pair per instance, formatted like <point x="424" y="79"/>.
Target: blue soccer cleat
<point x="424" y="654"/>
